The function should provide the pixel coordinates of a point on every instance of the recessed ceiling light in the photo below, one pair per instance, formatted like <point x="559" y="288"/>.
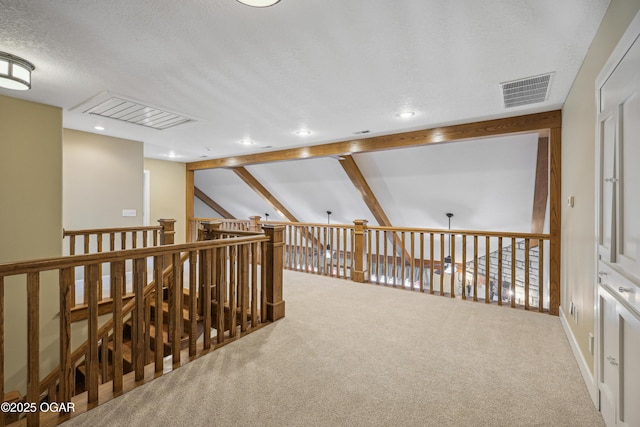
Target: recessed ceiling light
<point x="98" y="127"/>
<point x="172" y="155"/>
<point x="303" y="132"/>
<point x="405" y="114"/>
<point x="246" y="141"/>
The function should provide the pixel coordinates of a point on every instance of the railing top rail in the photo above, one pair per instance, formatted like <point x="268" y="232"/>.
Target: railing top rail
<point x="30" y="266"/>
<point x="221" y="220"/>
<point x="236" y="232"/>
<point x="66" y="233"/>
<point x="308" y="224"/>
<point x="519" y="235"/>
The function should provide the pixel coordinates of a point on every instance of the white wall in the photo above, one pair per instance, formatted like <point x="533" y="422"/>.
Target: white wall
<point x="578" y="176"/>
<point x="168" y="194"/>
<point x="30" y="225"/>
<point x="102" y="176"/>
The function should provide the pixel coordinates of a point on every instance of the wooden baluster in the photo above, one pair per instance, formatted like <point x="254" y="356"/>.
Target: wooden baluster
<point x="403" y="261"/>
<point x="487" y="278"/>
<point x="299" y="249"/>
<point x="72" y="245"/>
<point x="91" y="361"/>
<point x="33" y="346"/>
<point x="86" y="238"/>
<point x="441" y="265"/>
<point x="233" y="284"/>
<point x="378" y="266"/>
<point x="208" y="259"/>
<point x="221" y="287"/>
<point x="464" y="266"/>
<point x="370" y="254"/>
<point x="499" y="270"/>
<point x="134" y="239"/>
<point x="412" y="262"/>
<point x="475" y="268"/>
<point x="123" y="240"/>
<point x="139" y="282"/>
<point x="117" y="280"/>
<point x="66" y="284"/>
<point x="158" y="268"/>
<point x="540" y="276"/>
<point x="104" y="355"/>
<point x="453" y="265"/>
<point x="243" y="287"/>
<point x="513" y="272"/>
<point x="527" y="247"/>
<point x="254" y="284"/>
<point x="333" y="250"/>
<point x="431" y="251"/>
<point x="193" y="307"/>
<point x="145" y="239"/>
<point x="112" y="241"/>
<point x="421" y="262"/>
<point x="308" y="248"/>
<point x="155" y="237"/>
<point x="386" y="260"/>
<point x="147" y="331"/>
<point x="178" y="319"/>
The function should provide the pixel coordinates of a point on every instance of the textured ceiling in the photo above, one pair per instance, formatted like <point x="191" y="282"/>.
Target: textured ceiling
<point x="331" y="66"/>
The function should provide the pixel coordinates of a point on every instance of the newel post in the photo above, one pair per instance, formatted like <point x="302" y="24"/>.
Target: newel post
<point x="207" y="230"/>
<point x="272" y="269"/>
<point x="359" y="273"/>
<point x="167" y="234"/>
<point x="255" y="223"/>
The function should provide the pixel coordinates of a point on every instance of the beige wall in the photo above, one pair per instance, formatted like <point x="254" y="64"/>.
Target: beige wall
<point x="578" y="176"/>
<point x="30" y="213"/>
<point x="102" y="176"/>
<point x="167" y="190"/>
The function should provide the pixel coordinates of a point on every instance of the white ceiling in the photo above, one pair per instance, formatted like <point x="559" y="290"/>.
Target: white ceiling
<point x="331" y="66"/>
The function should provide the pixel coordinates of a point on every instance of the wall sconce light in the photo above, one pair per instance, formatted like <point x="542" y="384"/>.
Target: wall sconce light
<point x="15" y="72"/>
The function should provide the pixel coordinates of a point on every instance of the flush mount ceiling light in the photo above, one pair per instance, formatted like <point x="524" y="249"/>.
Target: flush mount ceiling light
<point x="246" y="141"/>
<point x="99" y="128"/>
<point x="15" y="72"/>
<point x="258" y="3"/>
<point x="303" y="132"/>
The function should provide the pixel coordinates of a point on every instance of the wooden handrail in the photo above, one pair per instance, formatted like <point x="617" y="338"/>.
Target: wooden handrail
<point x="23" y="267"/>
<point x="66" y="233"/>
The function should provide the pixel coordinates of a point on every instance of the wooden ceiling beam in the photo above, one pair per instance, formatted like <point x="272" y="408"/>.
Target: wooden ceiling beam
<point x="541" y="189"/>
<point x="212" y="203"/>
<point x="488" y="128"/>
<point x="358" y="180"/>
<point x="260" y="189"/>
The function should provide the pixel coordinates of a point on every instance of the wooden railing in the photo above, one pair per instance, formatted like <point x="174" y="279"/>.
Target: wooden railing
<point x="510" y="269"/>
<point x="213" y="286"/>
<point x="91" y="241"/>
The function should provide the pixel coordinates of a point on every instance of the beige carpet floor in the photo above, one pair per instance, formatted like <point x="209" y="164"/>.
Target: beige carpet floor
<point x="350" y="354"/>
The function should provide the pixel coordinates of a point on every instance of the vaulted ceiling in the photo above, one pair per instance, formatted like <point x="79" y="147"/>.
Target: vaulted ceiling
<point x="333" y="67"/>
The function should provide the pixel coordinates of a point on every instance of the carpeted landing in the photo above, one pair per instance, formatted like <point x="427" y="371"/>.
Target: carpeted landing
<point x="350" y="354"/>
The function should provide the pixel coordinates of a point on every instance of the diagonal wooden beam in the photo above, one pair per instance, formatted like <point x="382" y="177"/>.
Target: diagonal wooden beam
<point x="541" y="190"/>
<point x="255" y="185"/>
<point x="355" y="175"/>
<point x="526" y="123"/>
<point x="212" y="203"/>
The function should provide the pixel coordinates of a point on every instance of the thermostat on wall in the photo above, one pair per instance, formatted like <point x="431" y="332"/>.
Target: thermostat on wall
<point x="128" y="212"/>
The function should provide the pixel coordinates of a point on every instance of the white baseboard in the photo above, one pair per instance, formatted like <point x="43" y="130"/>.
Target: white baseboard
<point x="587" y="376"/>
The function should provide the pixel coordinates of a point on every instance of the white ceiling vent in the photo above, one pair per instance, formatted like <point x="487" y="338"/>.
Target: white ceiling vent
<point x="526" y="91"/>
<point x="117" y="107"/>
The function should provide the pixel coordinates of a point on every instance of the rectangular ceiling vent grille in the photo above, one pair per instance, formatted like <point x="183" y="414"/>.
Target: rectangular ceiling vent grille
<point x="526" y="91"/>
<point x="120" y="108"/>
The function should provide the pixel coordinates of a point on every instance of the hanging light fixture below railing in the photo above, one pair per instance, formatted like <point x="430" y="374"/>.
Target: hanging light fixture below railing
<point x="448" y="268"/>
<point x="328" y="253"/>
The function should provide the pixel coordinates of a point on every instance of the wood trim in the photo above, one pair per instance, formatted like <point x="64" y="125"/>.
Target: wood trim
<point x="212" y="204"/>
<point x="541" y="190"/>
<point x="526" y="123"/>
<point x="256" y="186"/>
<point x="190" y="194"/>
<point x="555" y="218"/>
